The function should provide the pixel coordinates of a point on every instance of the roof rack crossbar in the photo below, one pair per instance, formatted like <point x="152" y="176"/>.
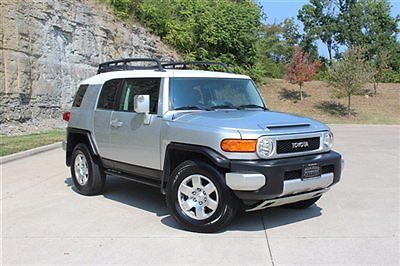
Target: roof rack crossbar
<point x="122" y="64"/>
<point x="195" y="63"/>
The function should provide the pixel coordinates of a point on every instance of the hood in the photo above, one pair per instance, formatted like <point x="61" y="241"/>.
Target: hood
<point x="269" y="122"/>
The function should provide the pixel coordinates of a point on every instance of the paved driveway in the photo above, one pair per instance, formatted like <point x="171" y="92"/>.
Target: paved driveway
<point x="44" y="221"/>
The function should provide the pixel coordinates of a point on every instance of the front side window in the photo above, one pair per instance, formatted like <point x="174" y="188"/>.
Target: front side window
<point x="213" y="93"/>
<point x="139" y="86"/>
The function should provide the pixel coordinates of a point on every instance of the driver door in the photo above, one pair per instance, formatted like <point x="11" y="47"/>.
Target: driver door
<point x="131" y="140"/>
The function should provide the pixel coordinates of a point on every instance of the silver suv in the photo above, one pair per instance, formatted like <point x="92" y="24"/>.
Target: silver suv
<point x="205" y="138"/>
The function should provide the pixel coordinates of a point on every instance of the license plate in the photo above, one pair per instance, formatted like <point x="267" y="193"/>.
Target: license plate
<point x="311" y="171"/>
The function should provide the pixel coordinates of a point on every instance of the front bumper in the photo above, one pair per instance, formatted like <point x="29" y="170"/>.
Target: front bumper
<point x="283" y="176"/>
<point x="288" y="199"/>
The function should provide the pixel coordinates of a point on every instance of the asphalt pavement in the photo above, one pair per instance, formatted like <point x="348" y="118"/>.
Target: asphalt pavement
<point x="44" y="221"/>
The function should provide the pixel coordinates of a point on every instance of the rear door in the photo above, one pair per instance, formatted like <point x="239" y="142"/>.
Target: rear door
<point x="102" y="116"/>
<point x="131" y="141"/>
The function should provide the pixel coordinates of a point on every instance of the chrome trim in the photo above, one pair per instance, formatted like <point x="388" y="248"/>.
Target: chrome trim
<point x="245" y="181"/>
<point x="295" y="186"/>
<point x="274" y="139"/>
<point x="288" y="199"/>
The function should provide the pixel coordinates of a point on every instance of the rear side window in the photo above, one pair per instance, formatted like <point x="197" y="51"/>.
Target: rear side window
<point x="79" y="95"/>
<point x="139" y="86"/>
<point x="108" y="94"/>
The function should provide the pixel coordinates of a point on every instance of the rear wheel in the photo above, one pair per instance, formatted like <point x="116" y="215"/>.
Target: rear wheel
<point x="198" y="199"/>
<point x="87" y="172"/>
<point x="302" y="204"/>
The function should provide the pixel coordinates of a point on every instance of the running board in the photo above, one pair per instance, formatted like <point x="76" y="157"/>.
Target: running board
<point x="134" y="178"/>
<point x="288" y="199"/>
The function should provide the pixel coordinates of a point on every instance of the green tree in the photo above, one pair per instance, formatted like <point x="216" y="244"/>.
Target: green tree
<point x="320" y="22"/>
<point x="276" y="45"/>
<point x="350" y="23"/>
<point x="346" y="23"/>
<point x="380" y="65"/>
<point x="368" y="23"/>
<point x="381" y="32"/>
<point x="348" y="76"/>
<point x="222" y="30"/>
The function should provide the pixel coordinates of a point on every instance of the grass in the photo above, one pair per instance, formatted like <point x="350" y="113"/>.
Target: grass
<point x="318" y="103"/>
<point x="13" y="144"/>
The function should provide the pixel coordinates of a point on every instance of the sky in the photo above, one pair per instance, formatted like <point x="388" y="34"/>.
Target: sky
<point x="278" y="10"/>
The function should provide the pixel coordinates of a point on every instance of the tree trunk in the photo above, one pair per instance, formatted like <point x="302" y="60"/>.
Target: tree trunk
<point x="330" y="53"/>
<point x="375" y="87"/>
<point x="349" y="105"/>
<point x="301" y="92"/>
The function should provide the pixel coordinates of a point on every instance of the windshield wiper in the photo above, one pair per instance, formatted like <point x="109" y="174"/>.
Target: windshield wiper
<point x="223" y="106"/>
<point x="190" y="107"/>
<point x="244" y="106"/>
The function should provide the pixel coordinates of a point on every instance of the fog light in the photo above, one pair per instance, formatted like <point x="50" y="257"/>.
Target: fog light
<point x="265" y="147"/>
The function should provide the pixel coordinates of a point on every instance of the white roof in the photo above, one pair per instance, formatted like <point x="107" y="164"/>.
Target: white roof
<point x="103" y="77"/>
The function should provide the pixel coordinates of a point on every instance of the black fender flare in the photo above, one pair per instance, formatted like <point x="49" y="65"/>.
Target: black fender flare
<point x="70" y="142"/>
<point x="218" y="159"/>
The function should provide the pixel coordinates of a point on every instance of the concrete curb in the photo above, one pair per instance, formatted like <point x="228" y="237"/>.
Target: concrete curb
<point x="23" y="154"/>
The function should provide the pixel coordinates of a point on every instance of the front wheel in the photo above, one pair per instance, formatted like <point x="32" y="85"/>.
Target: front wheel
<point x="198" y="199"/>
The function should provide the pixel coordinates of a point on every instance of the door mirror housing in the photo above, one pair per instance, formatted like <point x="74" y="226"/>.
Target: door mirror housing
<point x="142" y="104"/>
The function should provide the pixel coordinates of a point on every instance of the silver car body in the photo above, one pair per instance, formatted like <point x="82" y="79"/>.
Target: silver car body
<point x="124" y="136"/>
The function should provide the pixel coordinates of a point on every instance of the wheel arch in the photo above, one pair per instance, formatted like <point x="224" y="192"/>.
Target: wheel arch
<point x="176" y="153"/>
<point x="76" y="136"/>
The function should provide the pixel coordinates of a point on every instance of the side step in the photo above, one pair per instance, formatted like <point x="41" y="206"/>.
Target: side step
<point x="138" y="179"/>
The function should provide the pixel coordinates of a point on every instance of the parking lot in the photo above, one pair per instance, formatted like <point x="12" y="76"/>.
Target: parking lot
<point x="44" y="221"/>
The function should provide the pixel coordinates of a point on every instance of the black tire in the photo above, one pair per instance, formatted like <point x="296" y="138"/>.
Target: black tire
<point x="226" y="207"/>
<point x="302" y="204"/>
<point x="96" y="176"/>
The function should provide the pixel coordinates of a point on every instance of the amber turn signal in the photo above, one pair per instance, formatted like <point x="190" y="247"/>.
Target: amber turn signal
<point x="239" y="145"/>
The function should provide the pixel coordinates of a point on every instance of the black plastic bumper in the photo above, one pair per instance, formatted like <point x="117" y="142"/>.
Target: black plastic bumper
<point x="275" y="171"/>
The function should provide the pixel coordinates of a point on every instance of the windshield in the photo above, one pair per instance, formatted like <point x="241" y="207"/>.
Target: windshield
<point x="214" y="93"/>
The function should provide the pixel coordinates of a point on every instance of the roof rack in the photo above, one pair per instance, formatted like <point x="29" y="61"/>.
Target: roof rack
<point x="123" y="64"/>
<point x="205" y="64"/>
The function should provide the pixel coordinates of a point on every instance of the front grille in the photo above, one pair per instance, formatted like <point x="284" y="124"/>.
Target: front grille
<point x="297" y="145"/>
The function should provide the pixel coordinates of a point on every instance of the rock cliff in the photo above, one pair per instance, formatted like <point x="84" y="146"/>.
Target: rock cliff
<point x="48" y="47"/>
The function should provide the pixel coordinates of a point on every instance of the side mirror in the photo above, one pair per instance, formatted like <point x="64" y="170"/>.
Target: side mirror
<point x="141" y="104"/>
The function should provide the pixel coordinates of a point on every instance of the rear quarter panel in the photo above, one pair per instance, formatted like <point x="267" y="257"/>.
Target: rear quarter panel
<point x="82" y="117"/>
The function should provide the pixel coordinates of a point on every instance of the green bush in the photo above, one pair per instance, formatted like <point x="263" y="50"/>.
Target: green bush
<point x="215" y="30"/>
<point x="391" y="76"/>
<point x="122" y="8"/>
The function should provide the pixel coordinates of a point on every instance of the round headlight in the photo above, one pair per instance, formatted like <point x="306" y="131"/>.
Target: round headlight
<point x="265" y="147"/>
<point x="328" y="140"/>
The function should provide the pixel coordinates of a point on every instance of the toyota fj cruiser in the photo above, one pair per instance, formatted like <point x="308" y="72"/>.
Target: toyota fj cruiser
<point x="205" y="138"/>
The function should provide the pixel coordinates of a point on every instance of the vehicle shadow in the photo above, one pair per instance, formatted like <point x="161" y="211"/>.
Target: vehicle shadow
<point x="150" y="199"/>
